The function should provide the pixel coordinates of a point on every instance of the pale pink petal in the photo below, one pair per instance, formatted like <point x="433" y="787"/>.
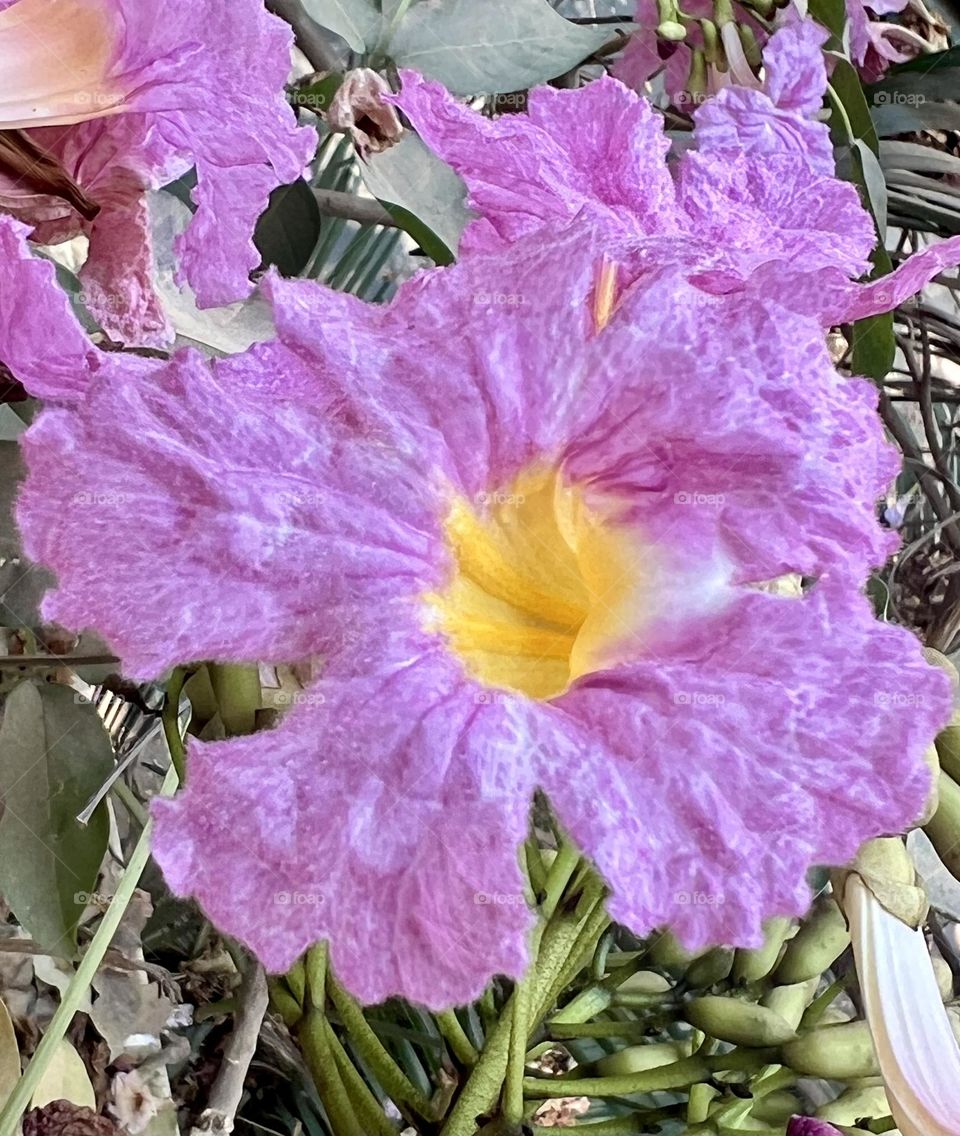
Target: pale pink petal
<point x="41" y="341"/>
<point x="737" y="815"/>
<point x="795" y="74"/>
<point x="309" y="524"/>
<point x="599" y="149"/>
<point x="387" y="818"/>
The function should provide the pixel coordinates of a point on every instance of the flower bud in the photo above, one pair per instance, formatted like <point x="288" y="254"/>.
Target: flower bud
<point x="791" y="1001"/>
<point x="857" y="1102"/>
<point x="751" y="966"/>
<point x="822" y="937"/>
<point x="638" y="1058"/>
<point x="736" y="1021"/>
<point x="709" y="969"/>
<point x="835" y="1053"/>
<point x="943" y="828"/>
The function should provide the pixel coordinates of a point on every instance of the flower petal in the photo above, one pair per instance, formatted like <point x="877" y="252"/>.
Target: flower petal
<point x="41" y="341"/>
<point x="600" y="148"/>
<point x="707" y="779"/>
<point x="212" y="543"/>
<point x="384" y="813"/>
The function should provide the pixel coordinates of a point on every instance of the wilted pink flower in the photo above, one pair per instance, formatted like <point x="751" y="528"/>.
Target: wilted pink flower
<point x="103" y="100"/>
<point x="358" y="106"/>
<point x="764" y="221"/>
<point x="523" y="518"/>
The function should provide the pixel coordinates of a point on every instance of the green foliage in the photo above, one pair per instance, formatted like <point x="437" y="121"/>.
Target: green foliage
<point x="56" y="754"/>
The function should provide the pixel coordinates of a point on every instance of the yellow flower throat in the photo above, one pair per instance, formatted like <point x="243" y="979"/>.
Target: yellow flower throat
<point x="544" y="588"/>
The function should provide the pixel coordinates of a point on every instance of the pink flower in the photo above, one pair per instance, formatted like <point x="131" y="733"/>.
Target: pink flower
<point x="767" y="221"/>
<point x="523" y="516"/>
<point x="117" y="97"/>
<point x="780" y="117"/>
<point x="810" y="1126"/>
<point x="873" y="43"/>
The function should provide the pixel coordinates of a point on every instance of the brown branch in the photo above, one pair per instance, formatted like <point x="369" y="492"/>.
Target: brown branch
<point x="227" y="1091"/>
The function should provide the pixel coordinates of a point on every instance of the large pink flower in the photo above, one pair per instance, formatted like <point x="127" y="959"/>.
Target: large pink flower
<point x="528" y="521"/>
<point x="755" y="214"/>
<point x="111" y="98"/>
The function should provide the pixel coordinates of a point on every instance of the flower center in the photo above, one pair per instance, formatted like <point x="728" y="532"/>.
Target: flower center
<point x="55" y="57"/>
<point x="547" y="586"/>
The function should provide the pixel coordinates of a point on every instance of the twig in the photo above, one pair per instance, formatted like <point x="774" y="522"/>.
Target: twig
<point x="112" y="960"/>
<point x="335" y="203"/>
<point x="310" y="38"/>
<point x="227" y="1090"/>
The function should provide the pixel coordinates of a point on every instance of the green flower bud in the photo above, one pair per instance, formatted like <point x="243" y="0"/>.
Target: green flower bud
<point x="943" y="828"/>
<point x="790" y="1001"/>
<point x="751" y="966"/>
<point x="644" y="982"/>
<point x="709" y="969"/>
<point x="639" y="1058"/>
<point x="667" y="954"/>
<point x="669" y="26"/>
<point x="855" y="1104"/>
<point x="836" y="1053"/>
<point x="822" y="937"/>
<point x="751" y="49"/>
<point x="736" y="1021"/>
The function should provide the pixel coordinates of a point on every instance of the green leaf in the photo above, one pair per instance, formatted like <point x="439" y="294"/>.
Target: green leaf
<point x="9" y="1055"/>
<point x="356" y="20"/>
<point x="54" y="754"/>
<point x="493" y="47"/>
<point x="288" y="231"/>
<point x="422" y="193"/>
<point x="832" y="14"/>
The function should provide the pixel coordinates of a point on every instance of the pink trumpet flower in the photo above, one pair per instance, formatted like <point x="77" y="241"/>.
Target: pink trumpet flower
<point x="103" y="100"/>
<point x="526" y="519"/>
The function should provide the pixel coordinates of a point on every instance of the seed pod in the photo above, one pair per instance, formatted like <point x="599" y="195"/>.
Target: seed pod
<point x="736" y="1021"/>
<point x="835" y="1053"/>
<point x="638" y="1058"/>
<point x="822" y="937"/>
<point x="790" y="1001"/>
<point x="855" y="1104"/>
<point x="710" y="968"/>
<point x="943" y="828"/>
<point x="751" y="966"/>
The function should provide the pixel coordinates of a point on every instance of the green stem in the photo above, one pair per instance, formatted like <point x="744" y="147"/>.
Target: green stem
<point x="317" y="1052"/>
<point x="677" y="1075"/>
<point x="456" y="1037"/>
<point x="517" y="1054"/>
<point x="131" y="802"/>
<point x="564" y="865"/>
<point x="23" y="1092"/>
<point x="171" y="721"/>
<point x="368" y="1108"/>
<point x="392" y="1079"/>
